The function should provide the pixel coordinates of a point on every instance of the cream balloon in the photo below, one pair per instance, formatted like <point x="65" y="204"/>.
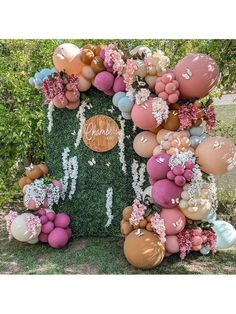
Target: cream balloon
<point x="19" y="229"/>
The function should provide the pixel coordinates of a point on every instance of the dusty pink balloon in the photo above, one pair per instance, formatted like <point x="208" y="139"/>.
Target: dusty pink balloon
<point x="62" y="220"/>
<point x="142" y="115"/>
<point x="172" y="244"/>
<point x="58" y="238"/>
<point x="197" y="75"/>
<point x="158" y="166"/>
<point x="43" y="237"/>
<point x="51" y="216"/>
<point x="119" y="85"/>
<point x="48" y="227"/>
<point x="174" y="220"/>
<point x="166" y="193"/>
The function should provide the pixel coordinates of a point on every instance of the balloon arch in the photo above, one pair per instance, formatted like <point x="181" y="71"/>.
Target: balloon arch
<point x="176" y="212"/>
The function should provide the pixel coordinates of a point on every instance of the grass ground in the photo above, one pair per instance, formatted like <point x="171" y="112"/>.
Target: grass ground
<point x="105" y="255"/>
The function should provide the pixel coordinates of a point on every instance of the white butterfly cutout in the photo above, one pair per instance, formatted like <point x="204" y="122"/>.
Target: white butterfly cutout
<point x="175" y="201"/>
<point x="92" y="162"/>
<point x="108" y="164"/>
<point x="187" y="75"/>
<point x="139" y="233"/>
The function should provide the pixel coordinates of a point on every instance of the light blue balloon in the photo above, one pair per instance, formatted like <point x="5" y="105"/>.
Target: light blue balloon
<point x="211" y="217"/>
<point x="196" y="130"/>
<point x="126" y="115"/>
<point x="45" y="72"/>
<point x="53" y="70"/>
<point x="32" y="81"/>
<point x="38" y="81"/>
<point x="203" y="137"/>
<point x="125" y="104"/>
<point x="117" y="97"/>
<point x="226" y="234"/>
<point x="195" y="141"/>
<point x="205" y="250"/>
<point x="188" y="133"/>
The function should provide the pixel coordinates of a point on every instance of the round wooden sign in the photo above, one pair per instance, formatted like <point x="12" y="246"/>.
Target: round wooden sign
<point x="100" y="133"/>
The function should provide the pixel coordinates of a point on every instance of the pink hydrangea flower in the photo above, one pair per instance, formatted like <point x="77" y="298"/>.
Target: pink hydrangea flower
<point x="113" y="58"/>
<point x="211" y="240"/>
<point x="159" y="227"/>
<point x="33" y="223"/>
<point x="188" y="115"/>
<point x="129" y="75"/>
<point x="138" y="212"/>
<point x="9" y="219"/>
<point x="210" y="118"/>
<point x="185" y="242"/>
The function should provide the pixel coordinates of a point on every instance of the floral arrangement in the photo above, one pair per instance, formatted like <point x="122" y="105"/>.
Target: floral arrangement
<point x="158" y="226"/>
<point x="137" y="212"/>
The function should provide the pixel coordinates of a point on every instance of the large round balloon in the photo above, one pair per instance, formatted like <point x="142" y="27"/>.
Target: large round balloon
<point x="197" y="74"/>
<point x="174" y="220"/>
<point x="19" y="229"/>
<point x="158" y="166"/>
<point x="166" y="193"/>
<point x="226" y="234"/>
<point x="66" y="58"/>
<point x="216" y="155"/>
<point x="144" y="143"/>
<point x="143" y="249"/>
<point x="142" y="115"/>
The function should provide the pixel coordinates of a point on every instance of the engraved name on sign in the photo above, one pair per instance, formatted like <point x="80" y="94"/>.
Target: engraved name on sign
<point x="100" y="133"/>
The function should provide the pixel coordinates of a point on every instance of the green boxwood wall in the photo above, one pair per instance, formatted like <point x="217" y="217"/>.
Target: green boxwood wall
<point x="88" y="206"/>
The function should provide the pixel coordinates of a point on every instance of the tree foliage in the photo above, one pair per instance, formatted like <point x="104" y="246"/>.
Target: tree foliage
<point x="21" y="106"/>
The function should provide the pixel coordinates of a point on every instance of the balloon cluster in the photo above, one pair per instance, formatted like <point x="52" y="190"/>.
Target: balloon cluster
<point x="167" y="88"/>
<point x="33" y="172"/>
<point x="55" y="228"/>
<point x="106" y="82"/>
<point x="124" y="103"/>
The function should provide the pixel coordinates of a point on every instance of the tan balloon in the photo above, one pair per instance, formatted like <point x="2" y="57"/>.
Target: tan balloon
<point x="19" y="229"/>
<point x="83" y="84"/>
<point x="151" y="81"/>
<point x="216" y="155"/>
<point x="172" y="123"/>
<point x="125" y="227"/>
<point x="144" y="143"/>
<point x="88" y="73"/>
<point x="127" y="212"/>
<point x="143" y="249"/>
<point x="162" y="134"/>
<point x="201" y="211"/>
<point x="152" y="70"/>
<point x="141" y="71"/>
<point x="66" y="58"/>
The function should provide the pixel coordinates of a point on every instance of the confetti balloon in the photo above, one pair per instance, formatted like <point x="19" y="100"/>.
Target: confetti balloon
<point x="216" y="155"/>
<point x="166" y="193"/>
<point x="143" y="249"/>
<point x="144" y="143"/>
<point x="197" y="74"/>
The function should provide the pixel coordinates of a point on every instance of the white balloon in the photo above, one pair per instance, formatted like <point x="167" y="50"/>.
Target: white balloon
<point x="226" y="234"/>
<point x="20" y="231"/>
<point x="205" y="250"/>
<point x="33" y="241"/>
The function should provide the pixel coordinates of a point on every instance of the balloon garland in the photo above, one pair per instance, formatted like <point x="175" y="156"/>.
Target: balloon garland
<point x="177" y="212"/>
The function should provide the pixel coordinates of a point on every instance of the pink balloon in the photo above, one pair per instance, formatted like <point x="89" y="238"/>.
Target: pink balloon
<point x="71" y="97"/>
<point x="180" y="180"/>
<point x="158" y="166"/>
<point x="51" y="216"/>
<point x="60" y="102"/>
<point x="151" y="181"/>
<point x="62" y="220"/>
<point x="197" y="240"/>
<point x="178" y="170"/>
<point x="47" y="227"/>
<point x="167" y="78"/>
<point x="172" y="244"/>
<point x="166" y="193"/>
<point x="170" y="88"/>
<point x="43" y="219"/>
<point x="142" y="116"/>
<point x="43" y="237"/>
<point x="159" y="87"/>
<point x="119" y="85"/>
<point x="42" y="212"/>
<point x="174" y="220"/>
<point x="163" y="95"/>
<point x="58" y="238"/>
<point x="173" y="98"/>
<point x="69" y="232"/>
<point x="188" y="174"/>
<point x="104" y="81"/>
<point x="170" y="175"/>
<point x="110" y="92"/>
<point x="197" y="75"/>
<point x="73" y="105"/>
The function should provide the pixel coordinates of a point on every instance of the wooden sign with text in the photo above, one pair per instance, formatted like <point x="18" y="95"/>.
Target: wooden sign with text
<point x="100" y="133"/>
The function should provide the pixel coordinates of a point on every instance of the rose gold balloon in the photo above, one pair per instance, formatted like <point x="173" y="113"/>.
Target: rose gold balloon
<point x="216" y="155"/>
<point x="197" y="75"/>
<point x="87" y="72"/>
<point x="144" y="144"/>
<point x="83" y="84"/>
<point x="66" y="58"/>
<point x="162" y="134"/>
<point x="73" y="105"/>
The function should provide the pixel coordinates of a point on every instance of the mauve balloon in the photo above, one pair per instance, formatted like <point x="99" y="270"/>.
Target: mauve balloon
<point x="166" y="193"/>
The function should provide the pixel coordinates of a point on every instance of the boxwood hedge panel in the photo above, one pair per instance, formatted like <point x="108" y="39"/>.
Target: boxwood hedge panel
<point x="88" y="206"/>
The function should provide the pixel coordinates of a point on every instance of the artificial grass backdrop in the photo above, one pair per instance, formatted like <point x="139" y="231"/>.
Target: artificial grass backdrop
<point x="88" y="206"/>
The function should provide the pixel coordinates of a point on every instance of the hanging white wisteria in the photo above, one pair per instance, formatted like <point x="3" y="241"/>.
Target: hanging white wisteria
<point x="81" y="117"/>
<point x="122" y="145"/>
<point x="50" y="116"/>
<point x="109" y="201"/>
<point x="138" y="172"/>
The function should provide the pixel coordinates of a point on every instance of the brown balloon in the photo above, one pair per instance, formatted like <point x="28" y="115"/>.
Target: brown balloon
<point x="174" y="106"/>
<point x="34" y="172"/>
<point x="97" y="64"/>
<point x="86" y="56"/>
<point x="157" y="129"/>
<point x="127" y="212"/>
<point x="172" y="123"/>
<point x="143" y="249"/>
<point x="125" y="227"/>
<point x="22" y="182"/>
<point x="98" y="49"/>
<point x="44" y="168"/>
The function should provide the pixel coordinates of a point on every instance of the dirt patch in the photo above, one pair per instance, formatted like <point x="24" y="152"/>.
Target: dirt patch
<point x="12" y="268"/>
<point x="83" y="269"/>
<point x="77" y="245"/>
